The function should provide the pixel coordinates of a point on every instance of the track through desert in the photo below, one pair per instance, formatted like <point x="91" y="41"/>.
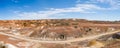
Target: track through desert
<point x="61" y="42"/>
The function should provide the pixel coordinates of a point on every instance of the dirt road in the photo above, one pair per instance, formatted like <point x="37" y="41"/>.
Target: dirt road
<point x="61" y="42"/>
<point x="92" y="37"/>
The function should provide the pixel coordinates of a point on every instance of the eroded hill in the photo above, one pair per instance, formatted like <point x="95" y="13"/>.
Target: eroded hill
<point x="59" y="29"/>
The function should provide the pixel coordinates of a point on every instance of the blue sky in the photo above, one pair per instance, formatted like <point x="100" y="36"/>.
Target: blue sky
<point x="59" y="9"/>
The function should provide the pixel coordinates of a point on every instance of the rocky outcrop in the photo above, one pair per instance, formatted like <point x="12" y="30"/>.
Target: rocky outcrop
<point x="116" y="35"/>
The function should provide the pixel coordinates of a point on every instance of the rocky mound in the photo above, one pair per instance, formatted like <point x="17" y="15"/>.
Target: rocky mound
<point x="59" y="29"/>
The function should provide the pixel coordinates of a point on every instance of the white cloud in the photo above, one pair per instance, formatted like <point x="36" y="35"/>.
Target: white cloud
<point x="115" y="4"/>
<point x="15" y="1"/>
<point x="78" y="1"/>
<point x="81" y="8"/>
<point x="88" y="6"/>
